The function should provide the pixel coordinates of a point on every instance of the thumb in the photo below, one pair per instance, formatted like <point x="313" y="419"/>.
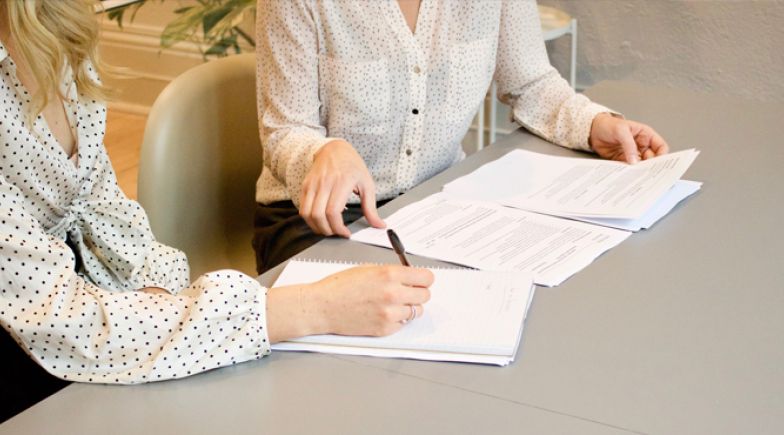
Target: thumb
<point x="628" y="144"/>
<point x="367" y="196"/>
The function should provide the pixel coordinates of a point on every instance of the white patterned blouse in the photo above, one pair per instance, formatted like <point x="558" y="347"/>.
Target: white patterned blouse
<point x="354" y="70"/>
<point x="90" y="324"/>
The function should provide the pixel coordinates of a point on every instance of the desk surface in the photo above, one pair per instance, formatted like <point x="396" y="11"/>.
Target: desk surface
<point x="677" y="330"/>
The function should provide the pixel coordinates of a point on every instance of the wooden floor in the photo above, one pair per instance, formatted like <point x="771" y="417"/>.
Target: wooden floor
<point x="124" y="133"/>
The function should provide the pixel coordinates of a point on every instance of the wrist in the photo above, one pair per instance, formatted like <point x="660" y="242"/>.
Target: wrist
<point x="598" y="119"/>
<point x="331" y="147"/>
<point x="314" y="308"/>
<point x="295" y="311"/>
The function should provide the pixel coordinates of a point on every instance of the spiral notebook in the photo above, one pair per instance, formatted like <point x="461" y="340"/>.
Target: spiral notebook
<point x="473" y="316"/>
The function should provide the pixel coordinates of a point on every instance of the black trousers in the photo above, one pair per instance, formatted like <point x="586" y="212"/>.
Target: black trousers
<point x="280" y="232"/>
<point x="24" y="382"/>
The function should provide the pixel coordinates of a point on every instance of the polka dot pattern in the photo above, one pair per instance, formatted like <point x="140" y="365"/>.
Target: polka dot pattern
<point x="354" y="70"/>
<point x="90" y="324"/>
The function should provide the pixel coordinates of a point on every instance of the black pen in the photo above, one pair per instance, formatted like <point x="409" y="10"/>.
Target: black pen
<point x="397" y="245"/>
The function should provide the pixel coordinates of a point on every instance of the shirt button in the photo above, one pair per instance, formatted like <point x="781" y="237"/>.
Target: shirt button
<point x="415" y="111"/>
<point x="417" y="70"/>
<point x="409" y="152"/>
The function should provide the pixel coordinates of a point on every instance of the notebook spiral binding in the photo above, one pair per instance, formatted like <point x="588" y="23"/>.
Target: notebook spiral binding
<point x="354" y="263"/>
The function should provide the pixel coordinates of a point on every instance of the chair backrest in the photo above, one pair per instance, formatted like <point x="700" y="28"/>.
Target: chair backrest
<point x="199" y="163"/>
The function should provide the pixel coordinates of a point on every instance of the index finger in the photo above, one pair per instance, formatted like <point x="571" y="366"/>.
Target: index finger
<point x="628" y="144"/>
<point x="367" y="197"/>
<point x="337" y="202"/>
<point x="412" y="276"/>
<point x="658" y="145"/>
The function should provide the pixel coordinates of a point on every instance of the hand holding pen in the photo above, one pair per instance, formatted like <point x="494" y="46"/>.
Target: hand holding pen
<point x="397" y="246"/>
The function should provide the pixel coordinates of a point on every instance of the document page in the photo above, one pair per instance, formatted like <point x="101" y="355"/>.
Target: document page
<point x="488" y="236"/>
<point x="498" y="360"/>
<point x="470" y="313"/>
<point x="565" y="186"/>
<point x="680" y="191"/>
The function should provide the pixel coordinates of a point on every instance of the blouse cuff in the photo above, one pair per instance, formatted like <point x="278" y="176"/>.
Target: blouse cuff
<point x="248" y="314"/>
<point x="258" y="320"/>
<point x="259" y="311"/>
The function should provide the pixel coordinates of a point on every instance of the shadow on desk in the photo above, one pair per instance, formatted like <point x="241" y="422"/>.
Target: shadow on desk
<point x="24" y="382"/>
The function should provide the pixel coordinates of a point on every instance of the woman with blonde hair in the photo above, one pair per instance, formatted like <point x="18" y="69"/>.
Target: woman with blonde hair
<point x="86" y="292"/>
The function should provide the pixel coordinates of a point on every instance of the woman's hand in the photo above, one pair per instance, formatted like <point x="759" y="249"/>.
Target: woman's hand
<point x="364" y="300"/>
<point x="627" y="141"/>
<point x="337" y="171"/>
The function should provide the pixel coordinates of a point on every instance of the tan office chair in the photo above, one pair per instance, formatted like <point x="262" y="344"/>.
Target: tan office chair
<point x="199" y="163"/>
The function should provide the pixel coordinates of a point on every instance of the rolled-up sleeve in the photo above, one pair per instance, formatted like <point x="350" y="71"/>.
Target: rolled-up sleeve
<point x="288" y="90"/>
<point x="541" y="100"/>
<point x="78" y="331"/>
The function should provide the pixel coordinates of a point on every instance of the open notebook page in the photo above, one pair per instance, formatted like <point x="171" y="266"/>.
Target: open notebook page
<point x="470" y="312"/>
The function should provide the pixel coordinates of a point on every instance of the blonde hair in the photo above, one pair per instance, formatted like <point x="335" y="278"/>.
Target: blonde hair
<point x="48" y="33"/>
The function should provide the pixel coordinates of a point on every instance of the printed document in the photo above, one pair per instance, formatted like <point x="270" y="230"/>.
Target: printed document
<point x="488" y="236"/>
<point x="574" y="187"/>
<point x="680" y="191"/>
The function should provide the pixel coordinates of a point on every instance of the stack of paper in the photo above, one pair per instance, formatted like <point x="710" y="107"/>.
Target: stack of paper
<point x="472" y="316"/>
<point x="508" y="214"/>
<point x="615" y="194"/>
<point x="489" y="236"/>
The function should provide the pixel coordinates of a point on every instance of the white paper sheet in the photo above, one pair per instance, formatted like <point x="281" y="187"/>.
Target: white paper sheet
<point x="472" y="316"/>
<point x="680" y="191"/>
<point x="564" y="186"/>
<point x="497" y="360"/>
<point x="488" y="236"/>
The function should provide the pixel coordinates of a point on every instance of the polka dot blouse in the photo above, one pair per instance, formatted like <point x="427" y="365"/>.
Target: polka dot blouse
<point x="90" y="324"/>
<point x="354" y="70"/>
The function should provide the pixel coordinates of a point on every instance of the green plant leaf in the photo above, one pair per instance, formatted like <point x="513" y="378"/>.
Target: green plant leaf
<point x="118" y="14"/>
<point x="183" y="27"/>
<point x="214" y="17"/>
<point x="215" y="23"/>
<point x="219" y="48"/>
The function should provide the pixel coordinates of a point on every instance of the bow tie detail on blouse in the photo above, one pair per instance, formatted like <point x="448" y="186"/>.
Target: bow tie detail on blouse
<point x="111" y="236"/>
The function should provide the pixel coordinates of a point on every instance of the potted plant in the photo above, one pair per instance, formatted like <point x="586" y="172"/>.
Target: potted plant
<point x="214" y="23"/>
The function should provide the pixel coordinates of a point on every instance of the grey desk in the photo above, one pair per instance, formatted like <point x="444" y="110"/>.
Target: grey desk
<point x="677" y="330"/>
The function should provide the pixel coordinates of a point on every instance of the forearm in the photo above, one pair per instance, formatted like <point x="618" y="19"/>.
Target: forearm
<point x="541" y="100"/>
<point x="549" y="108"/>
<point x="288" y="101"/>
<point x="295" y="311"/>
<point x="132" y="337"/>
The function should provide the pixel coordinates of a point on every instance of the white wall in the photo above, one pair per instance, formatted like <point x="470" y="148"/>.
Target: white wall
<point x="730" y="47"/>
